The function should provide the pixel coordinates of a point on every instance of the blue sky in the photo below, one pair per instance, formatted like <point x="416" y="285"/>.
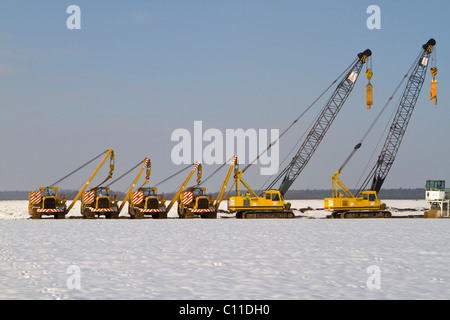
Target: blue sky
<point x="138" y="70"/>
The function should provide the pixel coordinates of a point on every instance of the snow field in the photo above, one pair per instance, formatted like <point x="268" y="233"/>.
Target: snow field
<point x="224" y="258"/>
<point x="18" y="209"/>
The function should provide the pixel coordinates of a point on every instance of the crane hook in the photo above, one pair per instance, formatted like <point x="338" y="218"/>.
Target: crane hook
<point x="369" y="88"/>
<point x="433" y="85"/>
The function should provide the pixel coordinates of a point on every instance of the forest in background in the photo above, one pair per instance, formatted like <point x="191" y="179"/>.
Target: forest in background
<point x="399" y="194"/>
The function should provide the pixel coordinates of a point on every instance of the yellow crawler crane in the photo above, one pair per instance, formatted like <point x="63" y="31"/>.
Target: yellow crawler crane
<point x="367" y="204"/>
<point x="46" y="202"/>
<point x="98" y="201"/>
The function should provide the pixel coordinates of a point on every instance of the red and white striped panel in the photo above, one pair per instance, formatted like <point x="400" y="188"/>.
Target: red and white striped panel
<point x="88" y="197"/>
<point x="102" y="210"/>
<point x="50" y="210"/>
<point x="35" y="197"/>
<point x="187" y="198"/>
<point x="152" y="210"/>
<point x="202" y="210"/>
<point x="138" y="197"/>
<point x="196" y="165"/>
<point x="233" y="162"/>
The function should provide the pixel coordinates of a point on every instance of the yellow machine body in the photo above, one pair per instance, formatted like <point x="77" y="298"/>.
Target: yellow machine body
<point x="368" y="200"/>
<point x="270" y="200"/>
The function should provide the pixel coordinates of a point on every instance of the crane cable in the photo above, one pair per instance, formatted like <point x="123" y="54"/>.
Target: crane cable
<point x="280" y="175"/>
<point x="173" y="175"/>
<point x="300" y="116"/>
<point x="74" y="171"/>
<point x="111" y="170"/>
<point x="215" y="171"/>
<point x="137" y="165"/>
<point x="123" y="175"/>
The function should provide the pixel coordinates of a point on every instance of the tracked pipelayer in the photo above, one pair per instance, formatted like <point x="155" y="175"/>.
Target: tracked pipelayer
<point x="271" y="203"/>
<point x="46" y="201"/>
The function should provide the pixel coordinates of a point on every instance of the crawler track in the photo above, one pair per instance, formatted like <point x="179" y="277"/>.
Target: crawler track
<point x="264" y="214"/>
<point x="361" y="214"/>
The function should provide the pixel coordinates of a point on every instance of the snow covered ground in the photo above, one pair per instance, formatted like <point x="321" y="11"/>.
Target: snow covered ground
<point x="18" y="209"/>
<point x="225" y="258"/>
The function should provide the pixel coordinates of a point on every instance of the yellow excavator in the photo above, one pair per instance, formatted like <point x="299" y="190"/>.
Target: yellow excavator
<point x="366" y="203"/>
<point x="45" y="201"/>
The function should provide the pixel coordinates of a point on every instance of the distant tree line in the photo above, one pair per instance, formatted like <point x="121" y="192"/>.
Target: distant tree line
<point x="407" y="194"/>
<point x="417" y="193"/>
